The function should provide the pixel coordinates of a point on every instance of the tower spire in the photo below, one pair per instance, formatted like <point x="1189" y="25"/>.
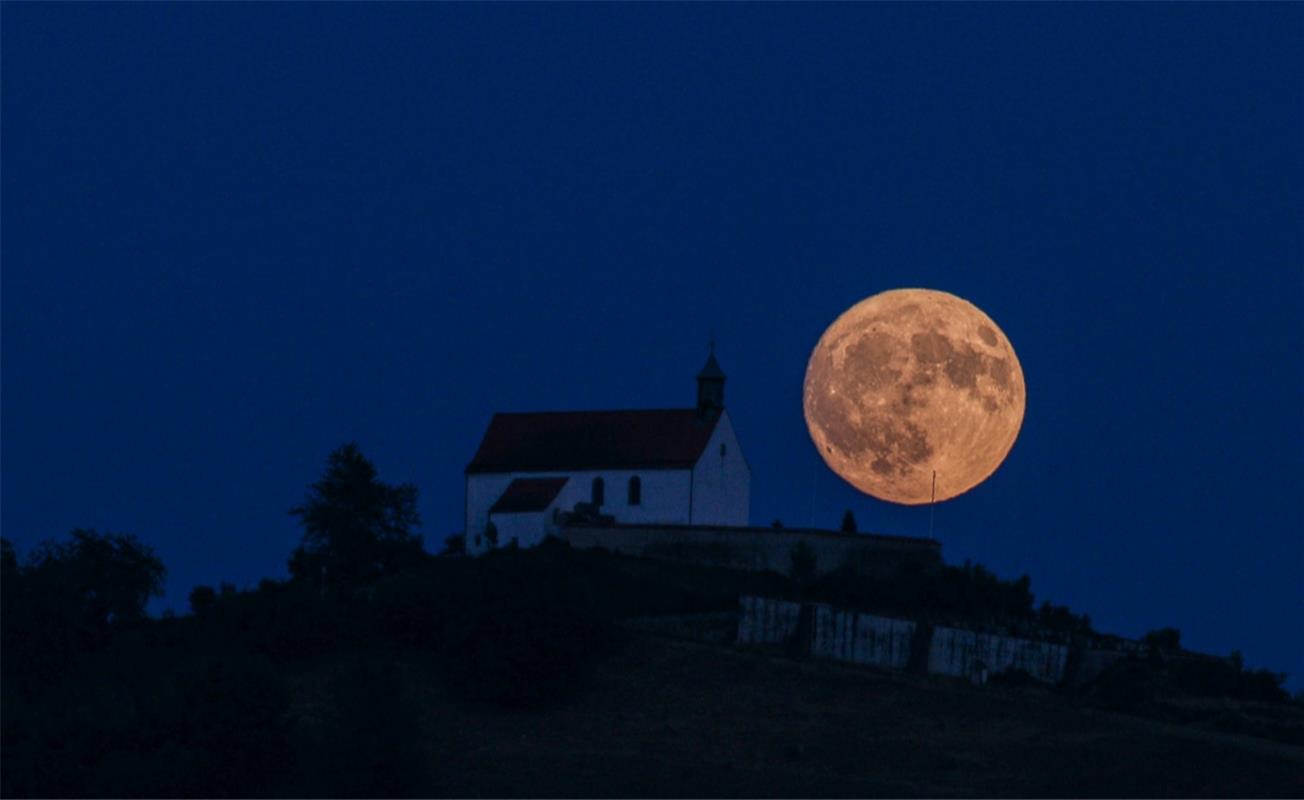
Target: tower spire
<point x="710" y="387"/>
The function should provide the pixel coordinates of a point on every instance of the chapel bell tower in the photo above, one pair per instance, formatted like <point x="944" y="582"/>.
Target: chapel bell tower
<point x="710" y="388"/>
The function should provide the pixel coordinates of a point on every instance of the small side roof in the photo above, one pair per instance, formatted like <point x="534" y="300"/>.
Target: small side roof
<point x="529" y="494"/>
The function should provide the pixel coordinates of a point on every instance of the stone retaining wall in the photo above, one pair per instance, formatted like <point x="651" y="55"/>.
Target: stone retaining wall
<point x="862" y="638"/>
<point x="885" y="642"/>
<point x="973" y="655"/>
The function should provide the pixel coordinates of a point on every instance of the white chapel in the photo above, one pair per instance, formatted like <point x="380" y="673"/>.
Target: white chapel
<point x="680" y="466"/>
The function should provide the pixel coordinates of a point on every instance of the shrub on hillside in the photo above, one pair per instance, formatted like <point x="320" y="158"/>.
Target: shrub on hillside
<point x="802" y="566"/>
<point x="1264" y="685"/>
<point x="282" y="621"/>
<point x="1164" y="639"/>
<point x="1215" y="677"/>
<point x="1060" y="618"/>
<point x="969" y="593"/>
<point x="202" y="600"/>
<point x="1135" y="684"/>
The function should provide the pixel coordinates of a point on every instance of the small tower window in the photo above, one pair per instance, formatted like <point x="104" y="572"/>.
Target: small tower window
<point x="599" y="492"/>
<point x="724" y="448"/>
<point x="635" y="491"/>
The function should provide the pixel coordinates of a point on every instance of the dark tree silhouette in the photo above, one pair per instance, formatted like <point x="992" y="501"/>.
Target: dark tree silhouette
<point x="802" y="556"/>
<point x="8" y="558"/>
<point x="96" y="579"/>
<point x="202" y="600"/>
<point x="1164" y="639"/>
<point x="848" y="522"/>
<point x="8" y="571"/>
<point x="354" y="526"/>
<point x="9" y="590"/>
<point x="68" y="597"/>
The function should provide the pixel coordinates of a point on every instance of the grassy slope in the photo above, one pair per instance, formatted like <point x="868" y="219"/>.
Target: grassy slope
<point x="660" y="717"/>
<point x="179" y="706"/>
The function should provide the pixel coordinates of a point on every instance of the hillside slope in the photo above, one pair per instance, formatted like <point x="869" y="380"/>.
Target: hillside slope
<point x="660" y="717"/>
<point x="558" y="673"/>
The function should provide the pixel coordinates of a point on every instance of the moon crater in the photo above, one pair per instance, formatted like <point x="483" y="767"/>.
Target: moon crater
<point x="909" y="382"/>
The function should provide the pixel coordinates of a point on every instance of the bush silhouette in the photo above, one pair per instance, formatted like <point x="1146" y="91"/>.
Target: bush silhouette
<point x="95" y="580"/>
<point x="970" y="594"/>
<point x="202" y="600"/>
<point x="1164" y="639"/>
<point x="454" y="545"/>
<point x="69" y="597"/>
<point x="802" y="568"/>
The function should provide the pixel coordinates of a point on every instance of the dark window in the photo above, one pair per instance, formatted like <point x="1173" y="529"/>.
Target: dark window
<point x="723" y="449"/>
<point x="599" y="492"/>
<point x="635" y="491"/>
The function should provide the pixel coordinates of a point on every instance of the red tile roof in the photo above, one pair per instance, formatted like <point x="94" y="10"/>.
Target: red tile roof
<point x="570" y="440"/>
<point x="529" y="494"/>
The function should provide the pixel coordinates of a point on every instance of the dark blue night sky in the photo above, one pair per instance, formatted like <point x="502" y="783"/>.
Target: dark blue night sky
<point x="236" y="236"/>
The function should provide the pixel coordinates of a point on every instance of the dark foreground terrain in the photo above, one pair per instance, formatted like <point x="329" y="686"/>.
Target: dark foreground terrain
<point x="554" y="673"/>
<point x="662" y="717"/>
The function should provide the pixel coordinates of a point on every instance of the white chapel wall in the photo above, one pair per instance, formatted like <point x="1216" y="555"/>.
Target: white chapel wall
<point x="722" y="480"/>
<point x="665" y="497"/>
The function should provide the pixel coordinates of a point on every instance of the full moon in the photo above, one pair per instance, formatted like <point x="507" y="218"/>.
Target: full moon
<point x="909" y="383"/>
